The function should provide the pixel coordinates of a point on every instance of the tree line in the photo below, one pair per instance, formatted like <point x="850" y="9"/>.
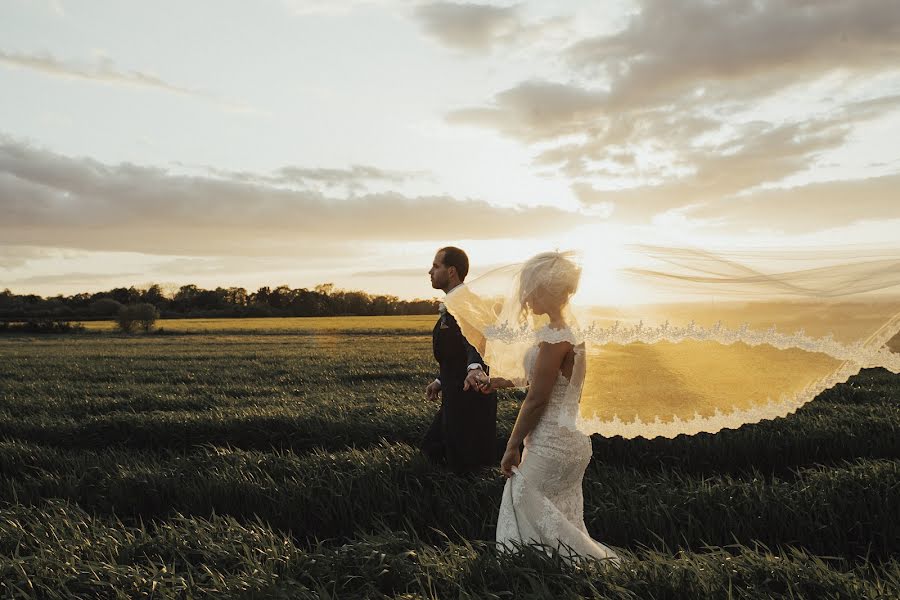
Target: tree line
<point x="323" y="300"/>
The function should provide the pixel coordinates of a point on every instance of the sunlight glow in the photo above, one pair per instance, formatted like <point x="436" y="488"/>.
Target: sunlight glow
<point x="604" y="254"/>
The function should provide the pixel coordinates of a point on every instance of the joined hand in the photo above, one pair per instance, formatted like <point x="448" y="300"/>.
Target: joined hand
<point x="477" y="380"/>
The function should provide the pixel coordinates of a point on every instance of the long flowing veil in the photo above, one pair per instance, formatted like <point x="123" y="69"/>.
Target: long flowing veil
<point x="702" y="340"/>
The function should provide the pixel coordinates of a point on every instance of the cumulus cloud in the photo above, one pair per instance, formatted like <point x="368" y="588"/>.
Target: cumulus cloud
<point x="672" y="46"/>
<point x="468" y="26"/>
<point x="53" y="200"/>
<point x="536" y="110"/>
<point x="696" y="102"/>
<point x="753" y="153"/>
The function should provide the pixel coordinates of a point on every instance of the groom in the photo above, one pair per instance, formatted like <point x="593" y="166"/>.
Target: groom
<point x="463" y="433"/>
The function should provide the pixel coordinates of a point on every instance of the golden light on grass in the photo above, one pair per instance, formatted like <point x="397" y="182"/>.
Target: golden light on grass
<point x="669" y="380"/>
<point x="422" y="323"/>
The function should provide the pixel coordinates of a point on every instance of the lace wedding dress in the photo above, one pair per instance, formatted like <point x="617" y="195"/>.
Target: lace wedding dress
<point x="543" y="501"/>
<point x="705" y="344"/>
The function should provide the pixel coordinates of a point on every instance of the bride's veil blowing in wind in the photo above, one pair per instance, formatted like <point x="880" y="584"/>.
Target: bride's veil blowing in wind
<point x="706" y="340"/>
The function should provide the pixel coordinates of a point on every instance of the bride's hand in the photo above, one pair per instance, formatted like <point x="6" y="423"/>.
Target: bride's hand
<point x="511" y="458"/>
<point x="492" y="384"/>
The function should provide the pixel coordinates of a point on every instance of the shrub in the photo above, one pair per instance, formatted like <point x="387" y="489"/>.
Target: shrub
<point x="133" y="316"/>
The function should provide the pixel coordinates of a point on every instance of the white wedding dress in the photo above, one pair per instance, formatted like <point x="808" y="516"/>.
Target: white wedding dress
<point x="543" y="501"/>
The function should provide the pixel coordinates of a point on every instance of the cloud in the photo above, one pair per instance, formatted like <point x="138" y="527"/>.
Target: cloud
<point x="53" y="200"/>
<point x="105" y="71"/>
<point x="810" y="207"/>
<point x="420" y="272"/>
<point x="536" y="110"/>
<point x="316" y="254"/>
<point x="480" y="27"/>
<point x="306" y="8"/>
<point x="75" y="279"/>
<point x="754" y="153"/>
<point x="708" y="159"/>
<point x="353" y="180"/>
<point x="468" y="26"/>
<point x="696" y="102"/>
<point x="669" y="47"/>
<point x="12" y="257"/>
<point x="390" y="273"/>
<point x="355" y="175"/>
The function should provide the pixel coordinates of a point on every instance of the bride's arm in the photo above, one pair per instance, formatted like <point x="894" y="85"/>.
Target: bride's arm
<point x="546" y="370"/>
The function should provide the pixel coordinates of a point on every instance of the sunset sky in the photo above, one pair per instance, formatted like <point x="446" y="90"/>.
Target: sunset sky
<point x="307" y="141"/>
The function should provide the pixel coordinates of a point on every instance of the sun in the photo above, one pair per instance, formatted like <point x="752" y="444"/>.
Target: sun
<point x="604" y="255"/>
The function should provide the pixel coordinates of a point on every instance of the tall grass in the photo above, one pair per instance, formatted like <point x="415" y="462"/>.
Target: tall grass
<point x="850" y="509"/>
<point x="281" y="461"/>
<point x="56" y="550"/>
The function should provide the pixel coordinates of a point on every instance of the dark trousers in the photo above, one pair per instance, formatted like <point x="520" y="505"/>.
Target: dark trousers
<point x="463" y="434"/>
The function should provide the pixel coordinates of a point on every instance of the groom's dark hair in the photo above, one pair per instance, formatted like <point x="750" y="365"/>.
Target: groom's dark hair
<point x="455" y="257"/>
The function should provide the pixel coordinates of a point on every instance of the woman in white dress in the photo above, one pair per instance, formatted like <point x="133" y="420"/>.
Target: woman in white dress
<point x="543" y="501"/>
<point x="676" y="362"/>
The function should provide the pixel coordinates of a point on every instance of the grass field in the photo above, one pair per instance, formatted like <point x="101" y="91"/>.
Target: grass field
<point x="417" y="323"/>
<point x="277" y="458"/>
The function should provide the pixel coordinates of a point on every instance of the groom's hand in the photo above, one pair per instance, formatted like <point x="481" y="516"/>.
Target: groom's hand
<point x="474" y="380"/>
<point x="433" y="390"/>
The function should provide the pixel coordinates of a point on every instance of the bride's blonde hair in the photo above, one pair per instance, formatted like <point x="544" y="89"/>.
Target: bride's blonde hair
<point x="556" y="274"/>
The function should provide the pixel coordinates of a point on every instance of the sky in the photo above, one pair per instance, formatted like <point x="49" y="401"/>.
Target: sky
<point x="299" y="142"/>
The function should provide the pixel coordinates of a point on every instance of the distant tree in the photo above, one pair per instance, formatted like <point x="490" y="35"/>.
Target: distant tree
<point x="191" y="300"/>
<point x="134" y="316"/>
<point x="308" y="304"/>
<point x="78" y="302"/>
<point x="324" y="288"/>
<point x="236" y="296"/>
<point x="355" y="303"/>
<point x="210" y="299"/>
<point x="63" y="312"/>
<point x="154" y="295"/>
<point x="105" y="307"/>
<point x="125" y="295"/>
<point x="261" y="296"/>
<point x="384" y="305"/>
<point x="185" y="295"/>
<point x="280" y="297"/>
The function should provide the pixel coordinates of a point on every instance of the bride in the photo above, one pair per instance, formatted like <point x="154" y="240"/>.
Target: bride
<point x="543" y="501"/>
<point x="712" y="350"/>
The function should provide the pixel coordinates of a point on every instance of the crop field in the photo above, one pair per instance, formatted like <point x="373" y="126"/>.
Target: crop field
<point x="276" y="458"/>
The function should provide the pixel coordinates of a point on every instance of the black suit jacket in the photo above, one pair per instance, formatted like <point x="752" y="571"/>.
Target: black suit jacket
<point x="463" y="434"/>
<point x="452" y="350"/>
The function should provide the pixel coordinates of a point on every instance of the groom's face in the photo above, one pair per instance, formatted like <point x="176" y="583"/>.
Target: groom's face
<point x="440" y="276"/>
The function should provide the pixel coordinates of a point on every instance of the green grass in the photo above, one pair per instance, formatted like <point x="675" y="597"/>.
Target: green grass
<point x="57" y="550"/>
<point x="264" y="457"/>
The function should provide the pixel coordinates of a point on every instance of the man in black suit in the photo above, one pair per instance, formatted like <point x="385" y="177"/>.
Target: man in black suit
<point x="464" y="431"/>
